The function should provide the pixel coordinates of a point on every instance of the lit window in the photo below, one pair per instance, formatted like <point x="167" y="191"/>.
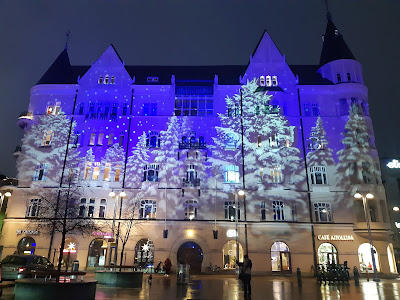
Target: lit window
<point x="40" y="172"/>
<point x="106" y="79"/>
<point x="33" y="208"/>
<point x="88" y="168"/>
<point x="259" y="141"/>
<point x="191" y="209"/>
<point x="102" y="209"/>
<point x="277" y="210"/>
<point x="273" y="141"/>
<point x="230" y="210"/>
<point x="150" y="172"/>
<point x="231" y="140"/>
<point x="339" y="78"/>
<point x="274" y="80"/>
<point x="231" y="174"/>
<point x="268" y="81"/>
<point x="153" y="139"/>
<point x="107" y="170"/>
<point x="314" y="143"/>
<point x="47" y="138"/>
<point x="318" y="175"/>
<point x="111" y="139"/>
<point x="260" y="175"/>
<point x="92" y="139"/>
<point x="322" y="212"/>
<point x="276" y="175"/>
<point x="117" y="174"/>
<point x="148" y="209"/>
<point x="152" y="79"/>
<point x="263" y="211"/>
<point x="100" y="139"/>
<point x="100" y="80"/>
<point x="336" y="32"/>
<point x="262" y="81"/>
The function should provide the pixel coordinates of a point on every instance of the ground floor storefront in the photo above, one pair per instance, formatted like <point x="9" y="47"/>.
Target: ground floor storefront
<point x="274" y="248"/>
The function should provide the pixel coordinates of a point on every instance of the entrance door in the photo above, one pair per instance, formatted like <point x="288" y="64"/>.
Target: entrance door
<point x="280" y="258"/>
<point x="190" y="253"/>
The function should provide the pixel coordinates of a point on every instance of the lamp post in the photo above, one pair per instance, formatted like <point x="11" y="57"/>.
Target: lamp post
<point x="365" y="198"/>
<point x="121" y="195"/>
<point x="237" y="194"/>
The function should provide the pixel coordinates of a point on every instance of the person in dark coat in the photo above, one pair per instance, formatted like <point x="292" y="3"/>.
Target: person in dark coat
<point x="245" y="274"/>
<point x="167" y="266"/>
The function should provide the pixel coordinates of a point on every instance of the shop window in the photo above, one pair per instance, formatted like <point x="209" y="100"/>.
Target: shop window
<point x="318" y="175"/>
<point x="322" y="212"/>
<point x="148" y="209"/>
<point x="150" y="172"/>
<point x="230" y="254"/>
<point x="97" y="253"/>
<point x="47" y="138"/>
<point x="191" y="209"/>
<point x="102" y="209"/>
<point x="33" y="208"/>
<point x="278" y="210"/>
<point x="365" y="258"/>
<point x="327" y="254"/>
<point x="26" y="246"/>
<point x="40" y="172"/>
<point x="153" y="139"/>
<point x="70" y="251"/>
<point x="276" y="175"/>
<point x="230" y="210"/>
<point x="280" y="258"/>
<point x="231" y="174"/>
<point x="144" y="255"/>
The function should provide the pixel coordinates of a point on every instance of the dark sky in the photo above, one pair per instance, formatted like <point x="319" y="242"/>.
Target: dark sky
<point x="194" y="32"/>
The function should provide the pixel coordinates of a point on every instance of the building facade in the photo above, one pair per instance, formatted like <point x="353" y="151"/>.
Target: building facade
<point x="182" y="142"/>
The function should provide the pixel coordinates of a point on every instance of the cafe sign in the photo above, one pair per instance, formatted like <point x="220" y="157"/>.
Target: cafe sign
<point x="106" y="235"/>
<point x="335" y="237"/>
<point x="28" y="232"/>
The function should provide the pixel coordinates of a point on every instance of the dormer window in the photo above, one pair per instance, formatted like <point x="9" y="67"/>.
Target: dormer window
<point x="274" y="80"/>
<point x="106" y="79"/>
<point x="152" y="79"/>
<point x="268" y="81"/>
<point x="112" y="80"/>
<point x="262" y="81"/>
<point x="348" y="77"/>
<point x="336" y="32"/>
<point x="339" y="78"/>
<point x="100" y="80"/>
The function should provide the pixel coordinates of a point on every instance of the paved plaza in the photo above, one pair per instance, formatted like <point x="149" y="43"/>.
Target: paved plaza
<point x="219" y="287"/>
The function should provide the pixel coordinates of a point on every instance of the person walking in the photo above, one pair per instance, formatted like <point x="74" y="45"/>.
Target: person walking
<point x="245" y="274"/>
<point x="167" y="266"/>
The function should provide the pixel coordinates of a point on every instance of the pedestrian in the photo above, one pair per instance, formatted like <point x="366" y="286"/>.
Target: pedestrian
<point x="167" y="266"/>
<point x="245" y="274"/>
<point x="356" y="275"/>
<point x="158" y="268"/>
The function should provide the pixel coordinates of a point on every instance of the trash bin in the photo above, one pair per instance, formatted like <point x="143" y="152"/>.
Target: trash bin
<point x="183" y="274"/>
<point x="74" y="268"/>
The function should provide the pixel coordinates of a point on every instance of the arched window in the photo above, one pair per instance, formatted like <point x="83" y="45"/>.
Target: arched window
<point x="153" y="139"/>
<point x="191" y="209"/>
<point x="97" y="253"/>
<point x="365" y="258"/>
<point x="280" y="258"/>
<point x="327" y="254"/>
<point x="274" y="80"/>
<point x="150" y="172"/>
<point x="262" y="81"/>
<point x="26" y="245"/>
<point x="392" y="260"/>
<point x="144" y="254"/>
<point x="268" y="81"/>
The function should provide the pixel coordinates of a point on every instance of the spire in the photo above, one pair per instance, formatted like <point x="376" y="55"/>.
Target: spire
<point x="328" y="13"/>
<point x="60" y="71"/>
<point x="334" y="47"/>
<point x="68" y="33"/>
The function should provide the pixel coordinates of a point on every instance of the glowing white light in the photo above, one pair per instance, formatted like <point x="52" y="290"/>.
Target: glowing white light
<point x="396" y="208"/>
<point x="71" y="246"/>
<point x="122" y="194"/>
<point x="394" y="164"/>
<point x="369" y="196"/>
<point x="357" y="195"/>
<point x="241" y="193"/>
<point x="397" y="224"/>
<point x="145" y="247"/>
<point x="111" y="194"/>
<point x="231" y="233"/>
<point x="7" y="194"/>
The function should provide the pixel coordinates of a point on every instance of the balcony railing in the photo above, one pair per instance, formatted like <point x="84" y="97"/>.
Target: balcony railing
<point x="191" y="182"/>
<point x="192" y="145"/>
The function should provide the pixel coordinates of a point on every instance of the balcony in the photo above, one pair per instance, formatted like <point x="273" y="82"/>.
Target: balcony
<point x="191" y="182"/>
<point x="192" y="145"/>
<point x="25" y="119"/>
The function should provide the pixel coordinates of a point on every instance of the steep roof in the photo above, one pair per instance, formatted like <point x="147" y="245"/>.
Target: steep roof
<point x="60" y="71"/>
<point x="334" y="47"/>
<point x="308" y="75"/>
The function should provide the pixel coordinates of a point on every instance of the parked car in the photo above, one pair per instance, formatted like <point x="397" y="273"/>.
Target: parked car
<point x="20" y="266"/>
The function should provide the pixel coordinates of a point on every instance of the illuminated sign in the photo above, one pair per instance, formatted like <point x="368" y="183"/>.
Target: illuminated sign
<point x="30" y="232"/>
<point x="394" y="164"/>
<point x="107" y="235"/>
<point x="335" y="237"/>
<point x="231" y="233"/>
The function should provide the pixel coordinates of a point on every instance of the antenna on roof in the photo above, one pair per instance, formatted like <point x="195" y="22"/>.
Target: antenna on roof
<point x="328" y="13"/>
<point x="68" y="33"/>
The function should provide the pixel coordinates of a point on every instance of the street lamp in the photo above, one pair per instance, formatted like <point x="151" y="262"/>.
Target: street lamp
<point x="396" y="208"/>
<point x="121" y="195"/>
<point x="365" y="198"/>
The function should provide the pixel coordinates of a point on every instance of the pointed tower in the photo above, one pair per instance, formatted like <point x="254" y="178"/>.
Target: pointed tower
<point x="337" y="62"/>
<point x="60" y="72"/>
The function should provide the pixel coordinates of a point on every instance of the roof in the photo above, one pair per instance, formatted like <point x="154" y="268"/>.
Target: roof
<point x="59" y="72"/>
<point x="334" y="47"/>
<point x="308" y="75"/>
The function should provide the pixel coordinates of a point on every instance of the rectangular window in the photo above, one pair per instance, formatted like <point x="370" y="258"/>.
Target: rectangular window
<point x="230" y="210"/>
<point x="339" y="78"/>
<point x="33" y="208"/>
<point x="92" y="139"/>
<point x="125" y="110"/>
<point x="102" y="210"/>
<point x="262" y="81"/>
<point x="273" y="141"/>
<point x="100" y="139"/>
<point x="318" y="175"/>
<point x="315" y="109"/>
<point x="194" y="105"/>
<point x="82" y="211"/>
<point x="87" y="171"/>
<point x="259" y="141"/>
<point x="90" y="211"/>
<point x="311" y="109"/>
<point x="110" y="139"/>
<point x="148" y="209"/>
<point x="322" y="212"/>
<point x="372" y="211"/>
<point x="121" y="140"/>
<point x="107" y="170"/>
<point x="96" y="172"/>
<point x="276" y="175"/>
<point x="146" y="109"/>
<point x="117" y="174"/>
<point x="150" y="172"/>
<point x="47" y="138"/>
<point x="231" y="174"/>
<point x="307" y="109"/>
<point x="348" y="77"/>
<point x="343" y="107"/>
<point x="277" y="209"/>
<point x="263" y="211"/>
<point x="366" y="173"/>
<point x="274" y="80"/>
<point x="268" y="81"/>
<point x="260" y="175"/>
<point x="40" y="172"/>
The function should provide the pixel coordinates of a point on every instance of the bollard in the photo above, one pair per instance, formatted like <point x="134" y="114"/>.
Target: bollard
<point x="356" y="275"/>
<point x="299" y="281"/>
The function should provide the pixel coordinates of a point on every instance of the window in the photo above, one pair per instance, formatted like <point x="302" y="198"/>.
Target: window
<point x="259" y="141"/>
<point x="276" y="175"/>
<point x="153" y="139"/>
<point x="152" y="79"/>
<point x="322" y="212"/>
<point x="96" y="172"/>
<point x="100" y="139"/>
<point x="90" y="211"/>
<point x="339" y="78"/>
<point x="191" y="175"/>
<point x="111" y="139"/>
<point x="40" y="172"/>
<point x="366" y="173"/>
<point x="343" y="107"/>
<point x="147" y="209"/>
<point x="33" y="208"/>
<point x="231" y="140"/>
<point x="151" y="172"/>
<point x="314" y="143"/>
<point x="372" y="211"/>
<point x="274" y="80"/>
<point x="233" y="110"/>
<point x="92" y="139"/>
<point x="260" y="175"/>
<point x="102" y="210"/>
<point x="117" y="173"/>
<point x="311" y="109"/>
<point x="336" y="32"/>
<point x="81" y="107"/>
<point x="150" y="109"/>
<point x="263" y="211"/>
<point x="348" y="77"/>
<point x="194" y="105"/>
<point x="112" y="80"/>
<point x="277" y="209"/>
<point x="191" y="209"/>
<point x="107" y="169"/>
<point x="273" y="141"/>
<point x="125" y="110"/>
<point x="47" y="138"/>
<point x="121" y="139"/>
<point x="88" y="168"/>
<point x="268" y="81"/>
<point x="230" y="210"/>
<point x="231" y="174"/>
<point x="100" y="80"/>
<point x="262" y="81"/>
<point x="106" y="79"/>
<point x="318" y="175"/>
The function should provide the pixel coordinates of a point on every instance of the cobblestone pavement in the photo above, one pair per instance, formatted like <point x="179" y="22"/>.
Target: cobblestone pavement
<point x="219" y="287"/>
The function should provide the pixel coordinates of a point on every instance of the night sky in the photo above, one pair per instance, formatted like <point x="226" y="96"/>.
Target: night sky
<point x="189" y="32"/>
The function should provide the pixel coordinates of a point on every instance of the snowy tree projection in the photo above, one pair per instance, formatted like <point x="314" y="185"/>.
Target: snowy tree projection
<point x="113" y="162"/>
<point x="136" y="163"/>
<point x="44" y="150"/>
<point x="320" y="154"/>
<point x="357" y="159"/>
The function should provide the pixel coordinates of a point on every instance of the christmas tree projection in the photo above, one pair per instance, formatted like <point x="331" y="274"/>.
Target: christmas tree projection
<point x="44" y="150"/>
<point x="357" y="159"/>
<point x="319" y="153"/>
<point x="270" y="159"/>
<point x="136" y="163"/>
<point x="113" y="163"/>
